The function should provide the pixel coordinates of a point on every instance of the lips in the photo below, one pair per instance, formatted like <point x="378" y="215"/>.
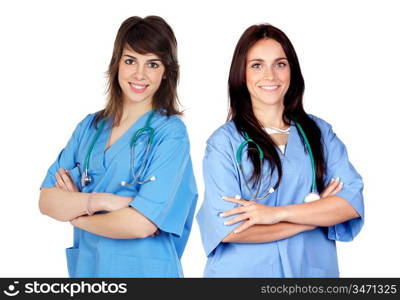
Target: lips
<point x="138" y="88"/>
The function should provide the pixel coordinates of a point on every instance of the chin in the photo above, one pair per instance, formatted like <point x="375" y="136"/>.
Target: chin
<point x="270" y="101"/>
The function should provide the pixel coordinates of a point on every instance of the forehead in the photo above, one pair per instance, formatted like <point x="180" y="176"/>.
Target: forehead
<point x="266" y="49"/>
<point x="129" y="51"/>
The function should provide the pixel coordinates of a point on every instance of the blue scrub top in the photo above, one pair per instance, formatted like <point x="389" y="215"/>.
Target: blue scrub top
<point x="169" y="201"/>
<point x="307" y="254"/>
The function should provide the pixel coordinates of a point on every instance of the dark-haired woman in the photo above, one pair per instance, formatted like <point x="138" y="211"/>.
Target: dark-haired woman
<point x="279" y="187"/>
<point x="125" y="179"/>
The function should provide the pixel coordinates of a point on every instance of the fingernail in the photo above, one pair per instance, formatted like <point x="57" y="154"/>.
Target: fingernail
<point x="237" y="197"/>
<point x="226" y="223"/>
<point x="341" y="184"/>
<point x="235" y="231"/>
<point x="337" y="178"/>
<point x="223" y="198"/>
<point x="333" y="179"/>
<point x="222" y="215"/>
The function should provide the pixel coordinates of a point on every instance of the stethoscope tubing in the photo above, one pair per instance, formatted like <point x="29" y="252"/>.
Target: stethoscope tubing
<point x="255" y="195"/>
<point x="87" y="179"/>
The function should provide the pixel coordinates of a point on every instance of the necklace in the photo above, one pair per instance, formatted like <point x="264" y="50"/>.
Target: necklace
<point x="271" y="130"/>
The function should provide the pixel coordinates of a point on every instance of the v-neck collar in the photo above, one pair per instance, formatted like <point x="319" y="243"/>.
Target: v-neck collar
<point x="104" y="154"/>
<point x="295" y="149"/>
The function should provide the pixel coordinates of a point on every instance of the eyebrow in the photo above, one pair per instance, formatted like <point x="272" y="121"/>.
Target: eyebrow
<point x="261" y="60"/>
<point x="149" y="60"/>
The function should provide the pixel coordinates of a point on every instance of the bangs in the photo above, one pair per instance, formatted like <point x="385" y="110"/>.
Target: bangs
<point x="145" y="39"/>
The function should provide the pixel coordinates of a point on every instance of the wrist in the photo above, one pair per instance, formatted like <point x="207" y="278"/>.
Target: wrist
<point x="96" y="202"/>
<point x="123" y="201"/>
<point x="283" y="213"/>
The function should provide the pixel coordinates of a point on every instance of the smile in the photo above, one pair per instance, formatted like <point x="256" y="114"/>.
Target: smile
<point x="138" y="88"/>
<point x="270" y="87"/>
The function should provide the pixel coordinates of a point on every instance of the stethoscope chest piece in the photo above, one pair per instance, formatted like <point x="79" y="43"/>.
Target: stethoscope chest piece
<point x="85" y="179"/>
<point x="310" y="197"/>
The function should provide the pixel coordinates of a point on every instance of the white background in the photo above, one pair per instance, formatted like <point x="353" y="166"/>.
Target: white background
<point x="53" y="58"/>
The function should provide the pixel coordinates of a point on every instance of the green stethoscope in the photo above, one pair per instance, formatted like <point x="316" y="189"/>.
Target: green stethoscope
<point x="87" y="179"/>
<point x="311" y="196"/>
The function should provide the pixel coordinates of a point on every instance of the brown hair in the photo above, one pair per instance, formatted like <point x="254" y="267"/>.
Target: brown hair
<point x="144" y="35"/>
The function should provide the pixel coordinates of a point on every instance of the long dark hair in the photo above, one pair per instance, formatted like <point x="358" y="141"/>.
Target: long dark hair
<point x="241" y="110"/>
<point x="144" y="35"/>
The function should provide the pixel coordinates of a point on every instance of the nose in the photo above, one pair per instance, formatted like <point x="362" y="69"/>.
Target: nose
<point x="269" y="74"/>
<point x="139" y="72"/>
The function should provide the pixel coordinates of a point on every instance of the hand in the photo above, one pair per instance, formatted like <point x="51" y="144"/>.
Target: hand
<point x="332" y="188"/>
<point x="108" y="202"/>
<point x="252" y="213"/>
<point x="64" y="181"/>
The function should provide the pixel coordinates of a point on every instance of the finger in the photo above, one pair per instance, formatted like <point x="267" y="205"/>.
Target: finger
<point x="330" y="187"/>
<point x="74" y="187"/>
<point x="243" y="226"/>
<point x="234" y="211"/>
<point x="333" y="187"/>
<point x="338" y="188"/>
<point x="236" y="219"/>
<point x="235" y="200"/>
<point x="61" y="182"/>
<point x="67" y="180"/>
<point x="57" y="185"/>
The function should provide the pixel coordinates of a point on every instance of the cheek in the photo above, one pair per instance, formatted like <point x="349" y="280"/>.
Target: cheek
<point x="286" y="77"/>
<point x="251" y="79"/>
<point x="122" y="74"/>
<point x="156" y="77"/>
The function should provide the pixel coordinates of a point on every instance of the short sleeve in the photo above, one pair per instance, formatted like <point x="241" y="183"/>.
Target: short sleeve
<point x="220" y="179"/>
<point x="66" y="158"/>
<point x="168" y="201"/>
<point x="338" y="165"/>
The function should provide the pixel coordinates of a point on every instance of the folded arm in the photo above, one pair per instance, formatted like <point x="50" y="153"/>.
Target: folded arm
<point x="264" y="223"/>
<point x="267" y="233"/>
<point x="63" y="205"/>
<point x="125" y="223"/>
<point x="326" y="212"/>
<point x="66" y="203"/>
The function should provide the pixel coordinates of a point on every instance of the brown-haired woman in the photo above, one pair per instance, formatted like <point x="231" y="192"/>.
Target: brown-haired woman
<point x="125" y="179"/>
<point x="296" y="191"/>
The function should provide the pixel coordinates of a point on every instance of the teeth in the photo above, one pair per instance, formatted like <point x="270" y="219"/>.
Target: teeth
<point x="139" y="87"/>
<point x="269" y="87"/>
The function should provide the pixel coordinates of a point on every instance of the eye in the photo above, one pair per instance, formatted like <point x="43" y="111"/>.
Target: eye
<point x="256" y="66"/>
<point x="129" y="61"/>
<point x="281" y="64"/>
<point x="153" y="65"/>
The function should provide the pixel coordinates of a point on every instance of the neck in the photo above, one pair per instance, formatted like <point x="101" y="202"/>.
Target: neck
<point x="132" y="111"/>
<point x="270" y="115"/>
